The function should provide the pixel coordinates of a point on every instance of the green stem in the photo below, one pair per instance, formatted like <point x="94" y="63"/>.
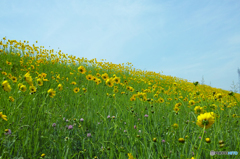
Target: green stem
<point x="200" y="142"/>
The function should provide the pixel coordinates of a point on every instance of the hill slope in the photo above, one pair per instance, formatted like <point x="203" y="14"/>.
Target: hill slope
<point x="57" y="105"/>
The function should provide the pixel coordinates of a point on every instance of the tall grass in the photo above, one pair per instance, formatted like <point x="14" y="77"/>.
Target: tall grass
<point x="144" y="115"/>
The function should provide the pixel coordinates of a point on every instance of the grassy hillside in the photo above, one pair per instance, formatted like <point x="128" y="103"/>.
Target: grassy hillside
<point x="54" y="105"/>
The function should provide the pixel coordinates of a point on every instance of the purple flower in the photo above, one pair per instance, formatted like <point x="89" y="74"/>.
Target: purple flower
<point x="125" y="131"/>
<point x="54" y="124"/>
<point x="108" y="116"/>
<point x="200" y="137"/>
<point x="139" y="131"/>
<point x="70" y="127"/>
<point x="89" y="135"/>
<point x="135" y="127"/>
<point x="64" y="118"/>
<point x="163" y="141"/>
<point x="66" y="126"/>
<point x="125" y="123"/>
<point x="81" y="119"/>
<point x="67" y="120"/>
<point x="9" y="132"/>
<point x="138" y="119"/>
<point x="146" y="115"/>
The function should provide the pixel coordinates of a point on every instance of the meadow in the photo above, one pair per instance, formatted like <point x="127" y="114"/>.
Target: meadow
<point x="55" y="105"/>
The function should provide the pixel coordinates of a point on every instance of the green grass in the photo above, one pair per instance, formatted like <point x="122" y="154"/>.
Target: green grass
<point x="30" y="116"/>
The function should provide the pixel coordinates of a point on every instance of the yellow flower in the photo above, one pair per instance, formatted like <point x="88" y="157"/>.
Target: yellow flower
<point x="161" y="100"/>
<point x="82" y="70"/>
<point x="105" y="76"/>
<point x="98" y="74"/>
<point x="208" y="140"/>
<point x="178" y="104"/>
<point x="84" y="90"/>
<point x="9" y="63"/>
<point x="6" y="86"/>
<point x="198" y="110"/>
<point x="23" y="88"/>
<point x="132" y="99"/>
<point x="11" y="98"/>
<point x="28" y="78"/>
<point x="175" y="126"/>
<point x="51" y="93"/>
<point x="5" y="83"/>
<point x="76" y="90"/>
<point x="60" y="87"/>
<point x="213" y="107"/>
<point x="94" y="79"/>
<point x="14" y="79"/>
<point x="44" y="75"/>
<point x="43" y="155"/>
<point x="9" y="76"/>
<point x="89" y="77"/>
<point x="191" y="102"/>
<point x="115" y="90"/>
<point x="109" y="82"/>
<point x="45" y="79"/>
<point x="4" y="117"/>
<point x="116" y="80"/>
<point x="98" y="81"/>
<point x="219" y="95"/>
<point x="176" y="109"/>
<point x="73" y="83"/>
<point x="130" y="156"/>
<point x="181" y="140"/>
<point x="4" y="73"/>
<point x="39" y="81"/>
<point x="131" y="89"/>
<point x="32" y="89"/>
<point x="206" y="119"/>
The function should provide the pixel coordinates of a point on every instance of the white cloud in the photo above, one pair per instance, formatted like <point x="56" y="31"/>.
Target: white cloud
<point x="234" y="40"/>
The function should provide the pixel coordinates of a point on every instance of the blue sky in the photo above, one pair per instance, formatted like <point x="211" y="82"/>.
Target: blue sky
<point x="186" y="39"/>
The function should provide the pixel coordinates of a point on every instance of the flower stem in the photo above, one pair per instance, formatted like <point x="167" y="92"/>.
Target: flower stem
<point x="200" y="142"/>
